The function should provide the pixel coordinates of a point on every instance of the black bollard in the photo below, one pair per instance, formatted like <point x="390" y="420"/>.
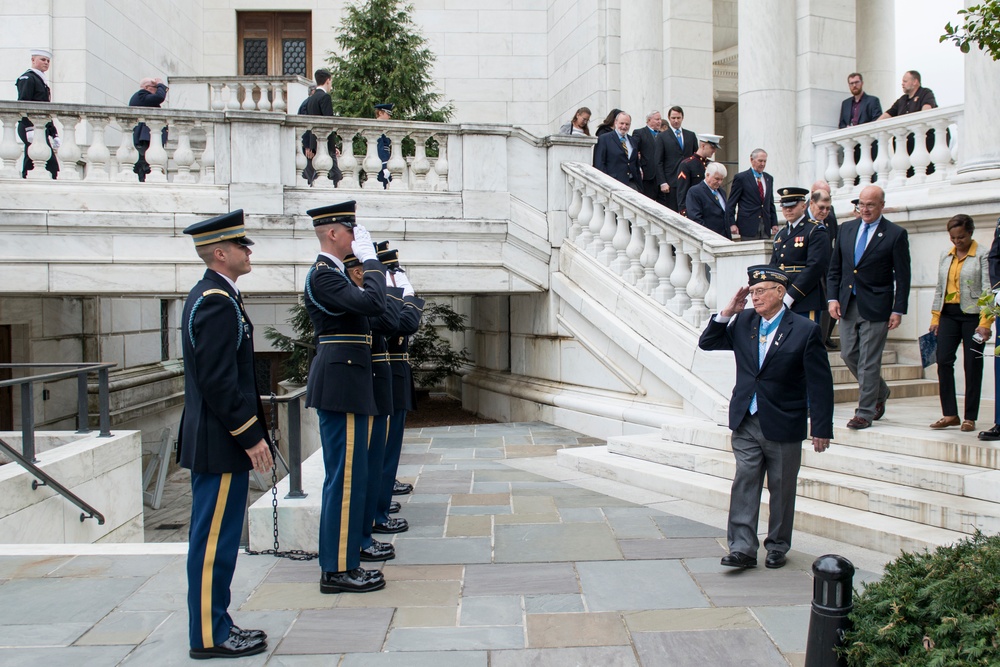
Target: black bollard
<point x="833" y="589"/>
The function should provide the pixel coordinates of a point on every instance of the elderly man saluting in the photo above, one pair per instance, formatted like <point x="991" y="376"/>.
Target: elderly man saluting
<point x="783" y="378"/>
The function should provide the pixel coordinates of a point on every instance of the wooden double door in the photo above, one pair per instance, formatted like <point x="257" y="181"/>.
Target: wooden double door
<point x="274" y="43"/>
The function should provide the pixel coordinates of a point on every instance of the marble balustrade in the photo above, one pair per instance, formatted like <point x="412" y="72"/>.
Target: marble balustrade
<point x="674" y="261"/>
<point x="279" y="94"/>
<point x="877" y="152"/>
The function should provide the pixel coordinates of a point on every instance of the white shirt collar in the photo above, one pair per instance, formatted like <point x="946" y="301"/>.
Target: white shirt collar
<point x="232" y="283"/>
<point x="340" y="264"/>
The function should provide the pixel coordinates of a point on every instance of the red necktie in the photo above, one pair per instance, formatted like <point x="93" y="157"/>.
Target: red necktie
<point x="760" y="188"/>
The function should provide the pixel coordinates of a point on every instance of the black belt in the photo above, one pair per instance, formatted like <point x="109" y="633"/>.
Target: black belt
<point x="360" y="339"/>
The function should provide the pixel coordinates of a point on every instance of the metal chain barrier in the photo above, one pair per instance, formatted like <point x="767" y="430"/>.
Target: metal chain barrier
<point x="291" y="554"/>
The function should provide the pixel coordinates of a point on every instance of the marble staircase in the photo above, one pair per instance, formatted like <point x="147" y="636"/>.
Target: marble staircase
<point x="896" y="486"/>
<point x="904" y="380"/>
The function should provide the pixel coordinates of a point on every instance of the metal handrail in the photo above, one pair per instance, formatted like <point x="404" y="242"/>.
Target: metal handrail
<point x="48" y="480"/>
<point x="294" y="400"/>
<point x="80" y="370"/>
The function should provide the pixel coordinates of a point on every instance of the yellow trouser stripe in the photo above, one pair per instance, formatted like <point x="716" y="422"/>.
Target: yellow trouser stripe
<point x="345" y="504"/>
<point x="209" y="563"/>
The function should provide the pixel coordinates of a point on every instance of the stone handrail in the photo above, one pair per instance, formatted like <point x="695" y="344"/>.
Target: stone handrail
<point x="675" y="261"/>
<point x="883" y="151"/>
<point x="246" y="93"/>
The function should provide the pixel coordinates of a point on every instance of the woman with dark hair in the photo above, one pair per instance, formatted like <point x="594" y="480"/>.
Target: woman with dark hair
<point x="608" y="124"/>
<point x="580" y="125"/>
<point x="963" y="272"/>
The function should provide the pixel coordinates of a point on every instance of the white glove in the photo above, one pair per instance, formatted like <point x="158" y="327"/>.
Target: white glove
<point x="56" y="143"/>
<point x="386" y="175"/>
<point x="362" y="244"/>
<point x="996" y="299"/>
<point x="788" y="300"/>
<point x="29" y="135"/>
<point x="404" y="282"/>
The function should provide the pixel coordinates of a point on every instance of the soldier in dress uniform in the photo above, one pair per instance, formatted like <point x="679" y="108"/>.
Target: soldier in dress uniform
<point x="341" y="389"/>
<point x="384" y="145"/>
<point x="691" y="171"/>
<point x="802" y="251"/>
<point x="222" y="434"/>
<point x="33" y="86"/>
<point x="402" y="402"/>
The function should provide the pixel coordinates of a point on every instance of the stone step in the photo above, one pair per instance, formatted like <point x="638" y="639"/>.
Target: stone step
<point x="890" y="373"/>
<point x="831" y="483"/>
<point x="848" y="393"/>
<point x="889" y="357"/>
<point x="840" y="522"/>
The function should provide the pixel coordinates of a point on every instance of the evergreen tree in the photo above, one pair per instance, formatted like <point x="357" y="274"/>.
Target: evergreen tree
<point x="384" y="59"/>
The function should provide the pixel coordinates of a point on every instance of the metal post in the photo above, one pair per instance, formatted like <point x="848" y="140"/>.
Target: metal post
<point x="82" y="411"/>
<point x="104" y="401"/>
<point x="28" y="421"/>
<point x="295" y="449"/>
<point x="833" y="578"/>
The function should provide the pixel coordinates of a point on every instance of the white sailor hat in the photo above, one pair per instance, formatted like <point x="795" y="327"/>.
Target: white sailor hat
<point x="45" y="53"/>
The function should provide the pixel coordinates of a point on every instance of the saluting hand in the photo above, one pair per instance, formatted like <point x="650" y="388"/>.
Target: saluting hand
<point x="260" y="455"/>
<point x="738" y="302"/>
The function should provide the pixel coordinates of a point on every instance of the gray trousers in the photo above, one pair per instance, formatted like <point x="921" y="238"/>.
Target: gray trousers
<point x="861" y="346"/>
<point x="756" y="455"/>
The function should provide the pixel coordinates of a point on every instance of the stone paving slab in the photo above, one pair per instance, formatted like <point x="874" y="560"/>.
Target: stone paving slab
<point x="718" y="648"/>
<point x="562" y="630"/>
<point x="337" y="631"/>
<point x="630" y="585"/>
<point x="544" y="543"/>
<point x="612" y="656"/>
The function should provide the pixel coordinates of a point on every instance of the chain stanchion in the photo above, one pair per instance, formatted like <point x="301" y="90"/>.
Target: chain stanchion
<point x="291" y="554"/>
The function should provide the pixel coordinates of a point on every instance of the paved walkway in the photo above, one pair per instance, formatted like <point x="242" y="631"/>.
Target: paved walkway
<point x="510" y="561"/>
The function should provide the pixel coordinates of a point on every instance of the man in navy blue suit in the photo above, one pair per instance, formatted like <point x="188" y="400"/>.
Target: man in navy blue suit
<point x="751" y="200"/>
<point x="706" y="202"/>
<point x="860" y="107"/>
<point x="615" y="155"/>
<point x="783" y="381"/>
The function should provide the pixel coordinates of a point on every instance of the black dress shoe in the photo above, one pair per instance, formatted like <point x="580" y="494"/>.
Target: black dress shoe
<point x="775" y="559"/>
<point x="393" y="507"/>
<point x="235" y="646"/>
<point x="357" y="580"/>
<point x="401" y="488"/>
<point x="990" y="434"/>
<point x="247" y="633"/>
<point x="393" y="525"/>
<point x="378" y="551"/>
<point x="739" y="559"/>
<point x="880" y="407"/>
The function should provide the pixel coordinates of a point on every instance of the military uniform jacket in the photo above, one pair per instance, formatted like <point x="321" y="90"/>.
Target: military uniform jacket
<point x="223" y="415"/>
<point x="803" y="252"/>
<point x="340" y="378"/>
<point x="689" y="174"/>
<point x="32" y="88"/>
<point x="382" y="326"/>
<point x="399" y="345"/>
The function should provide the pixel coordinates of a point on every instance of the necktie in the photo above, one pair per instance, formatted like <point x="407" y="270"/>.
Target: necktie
<point x="859" y="249"/>
<point x="680" y="139"/>
<point x="624" y="146"/>
<point x="760" y="187"/>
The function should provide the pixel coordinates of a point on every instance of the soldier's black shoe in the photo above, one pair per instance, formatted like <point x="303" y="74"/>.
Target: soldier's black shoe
<point x="393" y="507"/>
<point x="990" y="434"/>
<point x="378" y="551"/>
<point x="775" y="559"/>
<point x="247" y="633"/>
<point x="235" y="646"/>
<point x="401" y="488"/>
<point x="393" y="525"/>
<point x="739" y="559"/>
<point x="357" y="580"/>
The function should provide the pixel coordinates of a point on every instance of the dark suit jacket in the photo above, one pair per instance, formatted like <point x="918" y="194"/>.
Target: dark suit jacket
<point x="882" y="276"/>
<point x="745" y="208"/>
<point x="223" y="415"/>
<point x="870" y="110"/>
<point x="144" y="98"/>
<point x="703" y="208"/>
<point x="612" y="160"/>
<point x="649" y="148"/>
<point x="671" y="154"/>
<point x="793" y="384"/>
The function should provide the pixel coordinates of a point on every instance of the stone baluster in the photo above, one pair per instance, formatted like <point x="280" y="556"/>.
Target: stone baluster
<point x="848" y="169"/>
<point x="617" y="259"/>
<point x="866" y="168"/>
<point x="215" y="97"/>
<point x="264" y="103"/>
<point x="207" y="157"/>
<point x="300" y="157"/>
<point x="883" y="161"/>
<point x="371" y="164"/>
<point x="591" y="239"/>
<point x="633" y="251"/>
<point x="650" y="253"/>
<point x="279" y="104"/>
<point x="679" y="278"/>
<point x="349" y="162"/>
<point x="602" y="247"/>
<point x="69" y="152"/>
<point x="573" y="212"/>
<point x="832" y="173"/>
<point x="664" y="268"/>
<point x="697" y="288"/>
<point x="941" y="153"/>
<point x="124" y="157"/>
<point x="954" y="147"/>
<point x="586" y="214"/>
<point x="397" y="164"/>
<point x="248" y="103"/>
<point x="322" y="161"/>
<point x="10" y="151"/>
<point x="156" y="154"/>
<point x="183" y="155"/>
<point x="712" y="295"/>
<point x="233" y="103"/>
<point x="900" y="159"/>
<point x="39" y="151"/>
<point x="441" y="164"/>
<point x="920" y="159"/>
<point x="97" y="153"/>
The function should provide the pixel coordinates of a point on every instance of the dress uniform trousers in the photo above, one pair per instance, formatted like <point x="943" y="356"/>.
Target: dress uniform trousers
<point x="376" y="464"/>
<point x="218" y="504"/>
<point x="393" y="448"/>
<point x="345" y="456"/>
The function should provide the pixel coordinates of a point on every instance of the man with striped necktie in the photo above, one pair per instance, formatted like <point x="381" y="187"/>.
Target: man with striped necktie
<point x="616" y="156"/>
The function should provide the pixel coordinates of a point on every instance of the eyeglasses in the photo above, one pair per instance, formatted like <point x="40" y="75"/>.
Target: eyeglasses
<point x="759" y="291"/>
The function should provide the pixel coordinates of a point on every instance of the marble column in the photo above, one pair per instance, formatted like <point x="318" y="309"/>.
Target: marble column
<point x="767" y="85"/>
<point x="876" y="35"/>
<point x="979" y="150"/>
<point x="687" y="55"/>
<point x="642" y="61"/>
